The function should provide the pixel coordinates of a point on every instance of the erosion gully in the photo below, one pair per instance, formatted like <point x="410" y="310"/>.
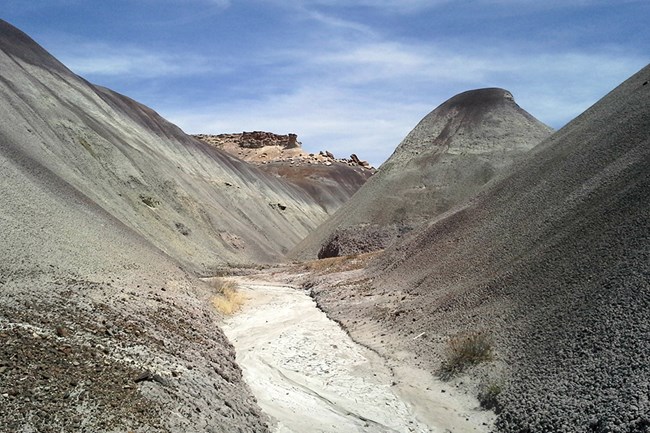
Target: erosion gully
<point x="308" y="375"/>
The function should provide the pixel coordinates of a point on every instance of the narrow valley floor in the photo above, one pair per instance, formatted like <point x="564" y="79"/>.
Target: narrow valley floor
<point x="309" y="376"/>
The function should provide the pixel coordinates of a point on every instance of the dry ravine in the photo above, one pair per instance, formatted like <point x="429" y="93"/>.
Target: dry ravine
<point x="309" y="376"/>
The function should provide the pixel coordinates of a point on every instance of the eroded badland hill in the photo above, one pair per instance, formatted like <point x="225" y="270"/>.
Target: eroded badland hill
<point x="483" y="227"/>
<point x="453" y="152"/>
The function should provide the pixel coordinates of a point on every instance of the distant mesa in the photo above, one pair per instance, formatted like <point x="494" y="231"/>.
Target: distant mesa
<point x="261" y="148"/>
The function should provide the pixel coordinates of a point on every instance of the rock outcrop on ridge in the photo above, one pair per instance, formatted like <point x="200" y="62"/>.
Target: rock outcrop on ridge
<point x="329" y="180"/>
<point x="553" y="264"/>
<point x="261" y="147"/>
<point x="448" y="157"/>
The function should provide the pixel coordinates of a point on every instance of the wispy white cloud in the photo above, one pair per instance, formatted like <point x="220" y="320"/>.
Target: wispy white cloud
<point x="323" y="117"/>
<point x="220" y="3"/>
<point x="406" y="7"/>
<point x="348" y="76"/>
<point x="395" y="6"/>
<point x="414" y="71"/>
<point x="101" y="59"/>
<point x="382" y="61"/>
<point x="365" y="97"/>
<point x="536" y="4"/>
<point x="376" y="61"/>
<point x="350" y="87"/>
<point x="337" y="22"/>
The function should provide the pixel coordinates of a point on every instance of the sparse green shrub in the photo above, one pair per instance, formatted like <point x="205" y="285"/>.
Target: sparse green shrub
<point x="464" y="350"/>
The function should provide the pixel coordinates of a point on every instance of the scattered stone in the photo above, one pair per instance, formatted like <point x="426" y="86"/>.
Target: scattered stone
<point x="148" y="376"/>
<point x="144" y="376"/>
<point x="62" y="332"/>
<point x="278" y="206"/>
<point x="183" y="229"/>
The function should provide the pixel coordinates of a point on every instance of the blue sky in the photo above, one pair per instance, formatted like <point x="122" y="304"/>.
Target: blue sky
<point x="348" y="76"/>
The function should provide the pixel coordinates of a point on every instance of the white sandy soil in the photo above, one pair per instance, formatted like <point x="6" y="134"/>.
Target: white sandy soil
<point x="309" y="376"/>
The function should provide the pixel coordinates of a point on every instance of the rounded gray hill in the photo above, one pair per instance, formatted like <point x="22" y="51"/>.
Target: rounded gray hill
<point x="447" y="158"/>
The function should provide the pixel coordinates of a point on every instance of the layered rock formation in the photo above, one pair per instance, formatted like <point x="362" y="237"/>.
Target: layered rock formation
<point x="448" y="157"/>
<point x="250" y="140"/>
<point x="552" y="264"/>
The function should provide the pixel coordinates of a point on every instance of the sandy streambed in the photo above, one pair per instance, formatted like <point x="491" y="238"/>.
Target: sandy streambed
<point x="310" y="376"/>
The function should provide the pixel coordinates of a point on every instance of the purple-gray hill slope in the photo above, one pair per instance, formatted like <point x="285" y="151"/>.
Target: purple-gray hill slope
<point x="553" y="263"/>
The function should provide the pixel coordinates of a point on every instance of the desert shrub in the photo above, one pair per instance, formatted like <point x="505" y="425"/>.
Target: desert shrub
<point x="464" y="350"/>
<point x="488" y="396"/>
<point x="227" y="300"/>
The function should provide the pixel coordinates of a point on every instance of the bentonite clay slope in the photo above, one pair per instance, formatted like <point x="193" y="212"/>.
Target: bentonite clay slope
<point x="447" y="158"/>
<point x="100" y="330"/>
<point x="553" y="262"/>
<point x="192" y="201"/>
<point x="328" y="180"/>
<point x="330" y="186"/>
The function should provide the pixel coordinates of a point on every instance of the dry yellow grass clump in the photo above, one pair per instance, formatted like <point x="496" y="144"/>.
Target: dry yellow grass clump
<point x="341" y="263"/>
<point x="464" y="350"/>
<point x="227" y="299"/>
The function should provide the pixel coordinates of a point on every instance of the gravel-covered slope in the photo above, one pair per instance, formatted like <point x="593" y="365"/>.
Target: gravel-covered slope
<point x="99" y="330"/>
<point x="447" y="158"/>
<point x="553" y="263"/>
